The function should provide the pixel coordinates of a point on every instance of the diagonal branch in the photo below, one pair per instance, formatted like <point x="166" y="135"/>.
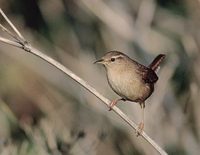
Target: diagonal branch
<point x="27" y="47"/>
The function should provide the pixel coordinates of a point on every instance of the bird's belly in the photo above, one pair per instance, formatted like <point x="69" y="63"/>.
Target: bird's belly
<point x="134" y="89"/>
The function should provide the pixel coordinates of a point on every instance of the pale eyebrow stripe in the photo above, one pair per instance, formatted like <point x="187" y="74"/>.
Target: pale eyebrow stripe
<point x="117" y="56"/>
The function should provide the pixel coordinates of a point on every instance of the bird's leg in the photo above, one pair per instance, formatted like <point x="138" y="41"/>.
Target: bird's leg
<point x="141" y="124"/>
<point x="114" y="102"/>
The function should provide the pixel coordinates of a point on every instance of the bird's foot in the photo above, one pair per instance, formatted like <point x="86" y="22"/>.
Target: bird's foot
<point x="112" y="103"/>
<point x="140" y="129"/>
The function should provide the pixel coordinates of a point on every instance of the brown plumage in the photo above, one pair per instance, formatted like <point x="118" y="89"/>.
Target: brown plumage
<point x="131" y="80"/>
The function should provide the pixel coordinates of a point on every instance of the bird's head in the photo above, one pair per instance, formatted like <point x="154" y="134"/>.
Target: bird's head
<point x="112" y="59"/>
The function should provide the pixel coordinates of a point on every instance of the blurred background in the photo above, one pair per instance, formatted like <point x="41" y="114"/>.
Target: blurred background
<point x="44" y="112"/>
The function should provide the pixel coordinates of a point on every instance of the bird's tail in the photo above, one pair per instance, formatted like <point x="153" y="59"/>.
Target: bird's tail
<point x="156" y="62"/>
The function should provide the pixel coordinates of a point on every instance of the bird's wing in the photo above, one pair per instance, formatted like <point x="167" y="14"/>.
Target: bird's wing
<point x="147" y="74"/>
<point x="150" y="76"/>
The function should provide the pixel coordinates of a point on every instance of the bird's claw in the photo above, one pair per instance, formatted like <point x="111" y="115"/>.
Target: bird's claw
<point x="111" y="105"/>
<point x="114" y="102"/>
<point x="140" y="129"/>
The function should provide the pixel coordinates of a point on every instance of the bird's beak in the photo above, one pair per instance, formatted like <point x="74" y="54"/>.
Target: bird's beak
<point x="99" y="61"/>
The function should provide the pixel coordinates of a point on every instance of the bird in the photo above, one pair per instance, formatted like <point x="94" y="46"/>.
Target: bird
<point x="131" y="80"/>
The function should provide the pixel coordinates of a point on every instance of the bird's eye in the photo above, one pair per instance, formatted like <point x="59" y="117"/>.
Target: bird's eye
<point x="112" y="59"/>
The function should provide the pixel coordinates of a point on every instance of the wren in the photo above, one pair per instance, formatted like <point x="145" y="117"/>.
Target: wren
<point x="129" y="79"/>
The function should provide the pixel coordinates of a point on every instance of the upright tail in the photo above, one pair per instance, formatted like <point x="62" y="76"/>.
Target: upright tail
<point x="156" y="62"/>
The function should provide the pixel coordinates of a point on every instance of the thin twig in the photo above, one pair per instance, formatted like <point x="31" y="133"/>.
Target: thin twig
<point x="69" y="73"/>
<point x="10" y="33"/>
<point x="11" y="24"/>
<point x="10" y="42"/>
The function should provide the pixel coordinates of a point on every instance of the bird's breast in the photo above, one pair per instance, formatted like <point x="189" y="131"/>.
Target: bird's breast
<point x="128" y="85"/>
